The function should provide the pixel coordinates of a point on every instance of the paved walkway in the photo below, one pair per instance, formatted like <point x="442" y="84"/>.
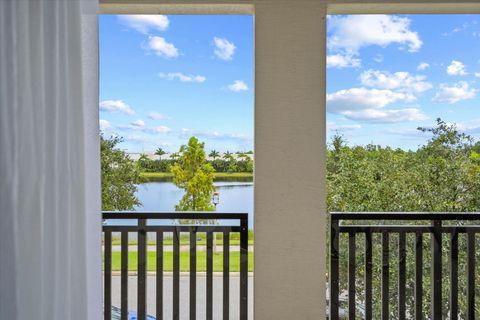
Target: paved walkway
<point x="169" y="248"/>
<point x="184" y="295"/>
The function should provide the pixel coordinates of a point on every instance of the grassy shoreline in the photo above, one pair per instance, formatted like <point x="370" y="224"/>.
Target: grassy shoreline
<point x="149" y="176"/>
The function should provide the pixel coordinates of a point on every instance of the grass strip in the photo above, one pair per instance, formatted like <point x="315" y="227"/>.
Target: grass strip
<point x="184" y="261"/>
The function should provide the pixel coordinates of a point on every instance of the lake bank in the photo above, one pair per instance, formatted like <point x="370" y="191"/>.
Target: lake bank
<point x="218" y="176"/>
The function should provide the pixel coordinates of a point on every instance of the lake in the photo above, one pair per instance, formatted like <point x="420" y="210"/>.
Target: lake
<point x="235" y="196"/>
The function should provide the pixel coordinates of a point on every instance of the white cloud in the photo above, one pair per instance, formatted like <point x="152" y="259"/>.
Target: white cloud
<point x="139" y="123"/>
<point x="116" y="106"/>
<point x="237" y="86"/>
<point x="477" y="74"/>
<point x="342" y="127"/>
<point x="352" y="32"/>
<point x="368" y="105"/>
<point x="386" y="116"/>
<point x="423" y="66"/>
<point x="160" y="129"/>
<point x="182" y="77"/>
<point x="104" y="124"/>
<point x="144" y="22"/>
<point x="155" y="116"/>
<point x="402" y="81"/>
<point x="456" y="68"/>
<point x="161" y="47"/>
<point x="363" y="98"/>
<point x="452" y="94"/>
<point x="342" y="61"/>
<point x="224" y="49"/>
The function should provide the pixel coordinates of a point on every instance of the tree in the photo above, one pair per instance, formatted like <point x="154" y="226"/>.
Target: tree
<point x="120" y="175"/>
<point x="193" y="174"/>
<point x="174" y="156"/>
<point x="214" y="154"/>
<point x="160" y="152"/>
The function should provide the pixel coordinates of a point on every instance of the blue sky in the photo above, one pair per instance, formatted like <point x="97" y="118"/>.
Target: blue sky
<point x="388" y="75"/>
<point x="165" y="78"/>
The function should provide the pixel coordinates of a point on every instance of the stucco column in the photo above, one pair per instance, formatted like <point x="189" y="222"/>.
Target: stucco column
<point x="290" y="254"/>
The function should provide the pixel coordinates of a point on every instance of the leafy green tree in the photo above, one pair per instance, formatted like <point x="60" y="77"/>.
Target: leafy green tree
<point x="194" y="174"/>
<point x="442" y="175"/>
<point x="120" y="175"/>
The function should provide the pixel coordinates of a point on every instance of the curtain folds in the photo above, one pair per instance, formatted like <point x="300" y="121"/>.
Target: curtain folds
<point x="50" y="227"/>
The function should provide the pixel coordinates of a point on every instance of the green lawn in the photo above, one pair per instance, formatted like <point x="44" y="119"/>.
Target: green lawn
<point x="184" y="261"/>
<point x="185" y="239"/>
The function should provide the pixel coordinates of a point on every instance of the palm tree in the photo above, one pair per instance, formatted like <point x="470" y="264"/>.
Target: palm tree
<point x="228" y="156"/>
<point x="214" y="154"/>
<point x="160" y="152"/>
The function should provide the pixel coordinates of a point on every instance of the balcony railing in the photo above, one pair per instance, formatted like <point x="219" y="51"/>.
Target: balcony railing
<point x="158" y="225"/>
<point x="361" y="260"/>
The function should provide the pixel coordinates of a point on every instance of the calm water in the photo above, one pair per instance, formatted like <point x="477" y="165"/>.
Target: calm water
<point x="163" y="196"/>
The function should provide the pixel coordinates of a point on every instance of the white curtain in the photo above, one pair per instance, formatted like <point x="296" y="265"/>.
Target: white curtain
<point x="50" y="226"/>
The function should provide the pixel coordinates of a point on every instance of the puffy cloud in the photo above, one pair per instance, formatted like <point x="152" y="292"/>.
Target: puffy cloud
<point x="352" y="32"/>
<point x="477" y="74"/>
<point x="139" y="123"/>
<point x="456" y="68"/>
<point x="363" y="98"/>
<point x="342" y="61"/>
<point x="161" y="47"/>
<point x="144" y="22"/>
<point x="455" y="93"/>
<point x="155" y="116"/>
<point x="116" y="106"/>
<point x="386" y="116"/>
<point x="224" y="49"/>
<point x="160" y="129"/>
<point x="104" y="124"/>
<point x="402" y="81"/>
<point x="342" y="127"/>
<point x="423" y="66"/>
<point x="237" y="86"/>
<point x="182" y="77"/>
<point x="367" y="105"/>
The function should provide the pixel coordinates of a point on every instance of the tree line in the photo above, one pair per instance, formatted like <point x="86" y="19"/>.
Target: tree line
<point x="228" y="162"/>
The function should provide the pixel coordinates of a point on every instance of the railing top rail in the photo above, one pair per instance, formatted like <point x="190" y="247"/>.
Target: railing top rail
<point x="196" y="215"/>
<point x="405" y="216"/>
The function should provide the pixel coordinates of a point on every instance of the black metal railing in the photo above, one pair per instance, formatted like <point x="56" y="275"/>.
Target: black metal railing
<point x="142" y="229"/>
<point x="347" y="228"/>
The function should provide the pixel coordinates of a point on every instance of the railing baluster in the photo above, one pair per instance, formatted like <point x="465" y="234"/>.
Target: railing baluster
<point x="193" y="274"/>
<point x="385" y="276"/>
<point x="159" y="276"/>
<point x="209" y="275"/>
<point x="142" y="270"/>
<point x="368" y="275"/>
<point x="107" y="273"/>
<point x="418" y="276"/>
<point x="124" y="276"/>
<point x="226" y="275"/>
<point x="351" y="276"/>
<point x="402" y="270"/>
<point x="334" y="272"/>
<point x="470" y="275"/>
<point x="176" y="275"/>
<point x="454" y="276"/>
<point x="436" y="276"/>
<point x="244" y="269"/>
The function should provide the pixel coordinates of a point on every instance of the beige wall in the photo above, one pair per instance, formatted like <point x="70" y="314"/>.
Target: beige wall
<point x="290" y="253"/>
<point x="290" y="153"/>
